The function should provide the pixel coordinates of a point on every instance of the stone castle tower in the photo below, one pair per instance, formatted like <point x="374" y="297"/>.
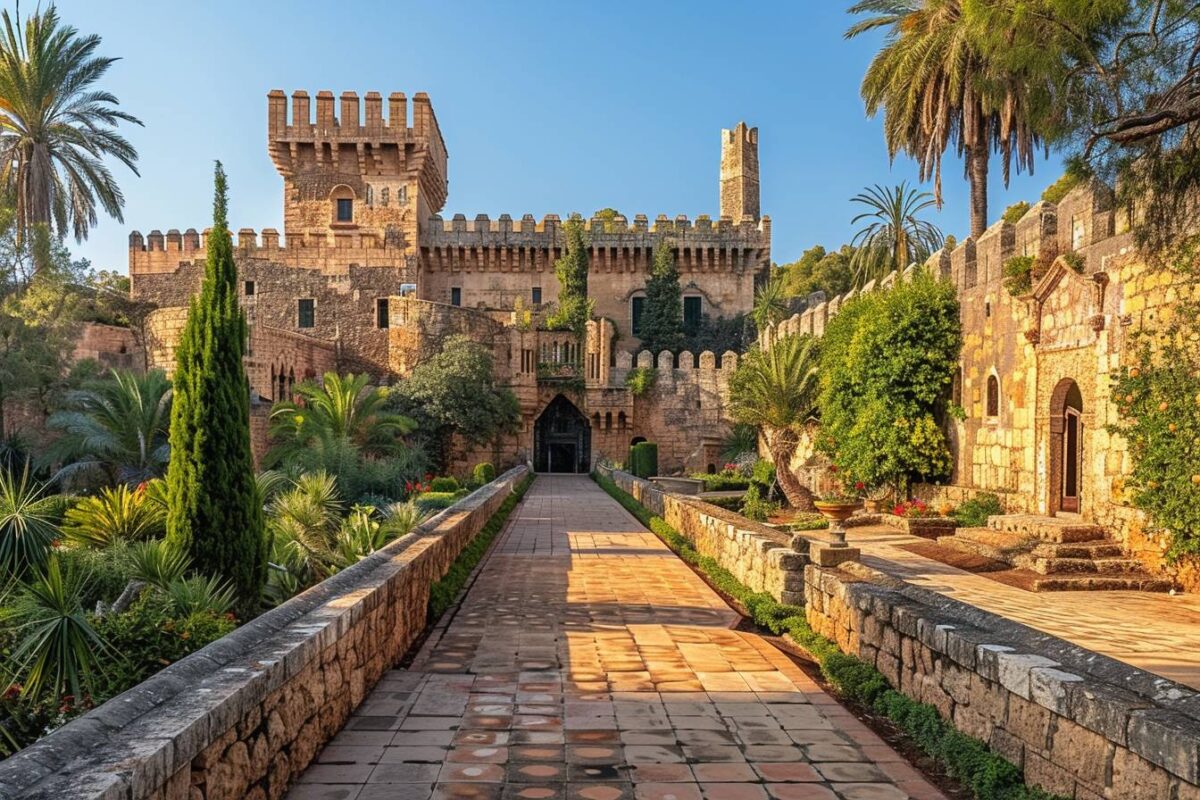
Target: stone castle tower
<point x="739" y="172"/>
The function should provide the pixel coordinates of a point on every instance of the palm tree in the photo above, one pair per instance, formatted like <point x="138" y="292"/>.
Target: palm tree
<point x="894" y="236"/>
<point x="775" y="390"/>
<point x="56" y="127"/>
<point x="116" y="428"/>
<point x="937" y="88"/>
<point x="338" y="411"/>
<point x="770" y="302"/>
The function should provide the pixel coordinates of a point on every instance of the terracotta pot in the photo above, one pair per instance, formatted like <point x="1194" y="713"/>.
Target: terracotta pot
<point x="837" y="512"/>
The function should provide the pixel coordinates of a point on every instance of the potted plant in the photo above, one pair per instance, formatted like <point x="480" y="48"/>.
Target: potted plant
<point x="838" y="504"/>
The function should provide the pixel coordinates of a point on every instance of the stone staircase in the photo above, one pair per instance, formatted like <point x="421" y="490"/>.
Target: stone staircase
<point x="1071" y="555"/>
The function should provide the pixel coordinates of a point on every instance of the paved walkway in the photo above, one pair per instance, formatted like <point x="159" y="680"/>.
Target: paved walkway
<point x="589" y="663"/>
<point x="1149" y="630"/>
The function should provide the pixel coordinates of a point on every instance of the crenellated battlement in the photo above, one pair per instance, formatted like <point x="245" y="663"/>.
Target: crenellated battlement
<point x="355" y="120"/>
<point x="684" y="362"/>
<point x="680" y="225"/>
<point x="158" y="252"/>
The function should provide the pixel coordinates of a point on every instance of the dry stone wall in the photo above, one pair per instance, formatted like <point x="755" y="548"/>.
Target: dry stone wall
<point x="239" y="719"/>
<point x="1078" y="723"/>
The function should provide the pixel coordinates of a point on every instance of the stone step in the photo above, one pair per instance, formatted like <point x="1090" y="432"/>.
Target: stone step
<point x="1077" y="566"/>
<point x="1100" y="548"/>
<point x="996" y="545"/>
<point x="1049" y="529"/>
<point x="1134" y="581"/>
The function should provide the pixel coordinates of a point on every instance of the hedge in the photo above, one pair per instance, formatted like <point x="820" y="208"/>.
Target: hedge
<point x="966" y="759"/>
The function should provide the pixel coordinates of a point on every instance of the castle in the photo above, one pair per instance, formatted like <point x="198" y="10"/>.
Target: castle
<point x="367" y="277"/>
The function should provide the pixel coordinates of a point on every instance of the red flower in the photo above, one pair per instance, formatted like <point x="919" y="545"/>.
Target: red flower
<point x="860" y="485"/>
<point x="12" y="691"/>
<point x="833" y="468"/>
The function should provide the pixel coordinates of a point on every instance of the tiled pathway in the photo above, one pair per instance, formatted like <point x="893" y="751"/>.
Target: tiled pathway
<point x="589" y="663"/>
<point x="1153" y="631"/>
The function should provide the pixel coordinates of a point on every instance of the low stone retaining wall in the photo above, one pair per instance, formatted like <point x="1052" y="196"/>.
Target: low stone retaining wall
<point x="1078" y="723"/>
<point x="762" y="558"/>
<point x="925" y="527"/>
<point x="244" y="715"/>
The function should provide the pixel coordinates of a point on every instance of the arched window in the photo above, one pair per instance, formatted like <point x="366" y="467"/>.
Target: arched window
<point x="608" y="420"/>
<point x="621" y="420"/>
<point x="342" y="200"/>
<point x="993" y="396"/>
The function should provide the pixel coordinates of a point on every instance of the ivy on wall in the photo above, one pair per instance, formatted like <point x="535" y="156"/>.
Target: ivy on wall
<point x="1158" y="398"/>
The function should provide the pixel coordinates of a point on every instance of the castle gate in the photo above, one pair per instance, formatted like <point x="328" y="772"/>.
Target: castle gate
<point x="562" y="438"/>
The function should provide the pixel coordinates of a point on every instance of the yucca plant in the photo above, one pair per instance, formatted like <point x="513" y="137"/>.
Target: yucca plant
<point x="158" y="563"/>
<point x="367" y="530"/>
<point x="306" y="519"/>
<point x="198" y="594"/>
<point x="28" y="522"/>
<point x="57" y="649"/>
<point x="116" y="514"/>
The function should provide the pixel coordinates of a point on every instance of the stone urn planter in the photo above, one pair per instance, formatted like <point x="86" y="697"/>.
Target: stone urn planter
<point x="837" y="512"/>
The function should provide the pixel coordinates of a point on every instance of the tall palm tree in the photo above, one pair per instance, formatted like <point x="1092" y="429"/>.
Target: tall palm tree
<point x="895" y="236"/>
<point x="56" y="127"/>
<point x="775" y="390"/>
<point x="114" y="429"/>
<point x="341" y="410"/>
<point x="937" y="88"/>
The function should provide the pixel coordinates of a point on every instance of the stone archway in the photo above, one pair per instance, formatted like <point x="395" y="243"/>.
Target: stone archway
<point x="562" y="438"/>
<point x="1066" y="448"/>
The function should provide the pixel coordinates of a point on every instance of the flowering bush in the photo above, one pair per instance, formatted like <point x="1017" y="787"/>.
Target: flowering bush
<point x="841" y="490"/>
<point x="914" y="509"/>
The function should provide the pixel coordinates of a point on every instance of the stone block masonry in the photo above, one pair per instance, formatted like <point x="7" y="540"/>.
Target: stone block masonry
<point x="1078" y="723"/>
<point x="760" y="557"/>
<point x="241" y="717"/>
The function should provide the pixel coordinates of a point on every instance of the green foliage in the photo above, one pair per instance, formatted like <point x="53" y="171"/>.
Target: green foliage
<point x="662" y="320"/>
<point x="973" y="513"/>
<point x="158" y="563"/>
<point x="436" y="501"/>
<point x="1018" y="275"/>
<point x="108" y="569"/>
<point x="968" y="760"/>
<point x="894" y="235"/>
<point x="819" y="270"/>
<point x="483" y="473"/>
<point x="640" y="380"/>
<point x="742" y="440"/>
<point x="770" y="302"/>
<point x="456" y="392"/>
<point x="116" y="514"/>
<point x="114" y="429"/>
<point x="756" y="506"/>
<point x="28" y="522"/>
<point x="1074" y="260"/>
<point x="447" y="484"/>
<point x="723" y="481"/>
<point x="643" y="459"/>
<point x="443" y="592"/>
<point x="215" y="513"/>
<point x="1157" y="396"/>
<point x="808" y="522"/>
<point x="574" y="307"/>
<point x="720" y="334"/>
<point x="886" y="366"/>
<point x="1055" y="192"/>
<point x="1013" y="213"/>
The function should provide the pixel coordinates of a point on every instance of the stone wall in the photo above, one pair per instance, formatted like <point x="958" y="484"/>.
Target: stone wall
<point x="113" y="346"/>
<point x="244" y="715"/>
<point x="1078" y="723"/>
<point x="762" y="558"/>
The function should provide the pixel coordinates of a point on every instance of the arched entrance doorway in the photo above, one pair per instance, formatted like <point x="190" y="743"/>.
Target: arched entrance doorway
<point x="562" y="438"/>
<point x="1066" y="447"/>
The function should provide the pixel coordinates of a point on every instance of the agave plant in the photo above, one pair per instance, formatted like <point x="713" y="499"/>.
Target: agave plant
<point x="28" y="522"/>
<point x="56" y="649"/>
<point x="197" y="594"/>
<point x="116" y="514"/>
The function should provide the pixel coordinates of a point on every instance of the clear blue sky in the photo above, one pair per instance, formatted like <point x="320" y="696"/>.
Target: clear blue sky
<point x="545" y="107"/>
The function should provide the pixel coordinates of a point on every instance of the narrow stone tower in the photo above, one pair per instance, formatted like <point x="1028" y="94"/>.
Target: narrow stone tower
<point x="739" y="172"/>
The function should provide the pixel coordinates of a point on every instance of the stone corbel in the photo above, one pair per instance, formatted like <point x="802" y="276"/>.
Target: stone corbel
<point x="1034" y="334"/>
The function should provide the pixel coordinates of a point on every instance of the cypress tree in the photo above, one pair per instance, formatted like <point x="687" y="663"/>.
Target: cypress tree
<point x="214" y="513"/>
<point x="662" y="320"/>
<point x="574" y="308"/>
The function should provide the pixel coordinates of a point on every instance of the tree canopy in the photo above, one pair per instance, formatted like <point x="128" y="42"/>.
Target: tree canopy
<point x="662" y="320"/>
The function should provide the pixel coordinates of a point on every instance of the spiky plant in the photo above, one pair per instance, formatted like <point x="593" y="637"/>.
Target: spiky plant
<point x="116" y="514"/>
<point x="28" y="522"/>
<point x="158" y="563"/>
<point x="894" y="235"/>
<point x="770" y="302"/>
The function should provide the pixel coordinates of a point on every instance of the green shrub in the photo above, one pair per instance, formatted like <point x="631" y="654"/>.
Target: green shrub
<point x="722" y="481"/>
<point x="808" y="522"/>
<point x="109" y="570"/>
<point x="447" y="484"/>
<point x="1074" y="260"/>
<point x="643" y="457"/>
<point x="640" y="380"/>
<point x="1056" y="191"/>
<point x="483" y="473"/>
<point x="436" y="501"/>
<point x="1018" y="275"/>
<point x="974" y="512"/>
<point x="755" y="506"/>
<point x="1013" y="213"/>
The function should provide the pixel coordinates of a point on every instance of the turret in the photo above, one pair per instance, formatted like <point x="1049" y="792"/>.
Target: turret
<point x="739" y="172"/>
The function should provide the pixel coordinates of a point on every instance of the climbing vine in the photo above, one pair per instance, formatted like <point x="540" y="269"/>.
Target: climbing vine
<point x="1158" y="399"/>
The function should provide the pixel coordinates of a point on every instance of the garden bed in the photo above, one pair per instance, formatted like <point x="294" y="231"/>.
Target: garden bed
<point x="925" y="527"/>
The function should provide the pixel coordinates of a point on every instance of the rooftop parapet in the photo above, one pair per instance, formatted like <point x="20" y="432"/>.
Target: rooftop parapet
<point x="494" y="231"/>
<point x="156" y="252"/>
<point x="299" y="124"/>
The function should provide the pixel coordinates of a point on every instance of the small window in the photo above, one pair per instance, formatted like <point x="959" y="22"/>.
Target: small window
<point x="537" y="295"/>
<point x="637" y="307"/>
<point x="248" y="288"/>
<point x="407" y="289"/>
<point x="693" y="307"/>
<point x="381" y="312"/>
<point x="345" y="209"/>
<point x="987" y="309"/>
<point x="306" y="313"/>
<point x="383" y="196"/>
<point x="993" y="396"/>
<point x="456" y="295"/>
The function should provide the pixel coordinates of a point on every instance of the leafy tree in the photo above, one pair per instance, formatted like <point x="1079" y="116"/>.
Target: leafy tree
<point x="114" y="428"/>
<point x="455" y="392"/>
<point x="340" y="409"/>
<point x="775" y="390"/>
<point x="662" y="320"/>
<point x="56" y="126"/>
<point x="214" y="510"/>
<point x="574" y="307"/>
<point x="720" y="334"/>
<point x="819" y="270"/>
<point x="887" y="361"/>
<point x="770" y="303"/>
<point x="894" y="236"/>
<point x="938" y="87"/>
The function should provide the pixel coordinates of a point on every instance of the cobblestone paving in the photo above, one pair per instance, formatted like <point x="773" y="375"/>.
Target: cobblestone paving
<point x="1153" y="631"/>
<point x="589" y="663"/>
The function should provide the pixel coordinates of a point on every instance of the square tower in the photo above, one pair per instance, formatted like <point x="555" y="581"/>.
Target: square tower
<point x="739" y="172"/>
